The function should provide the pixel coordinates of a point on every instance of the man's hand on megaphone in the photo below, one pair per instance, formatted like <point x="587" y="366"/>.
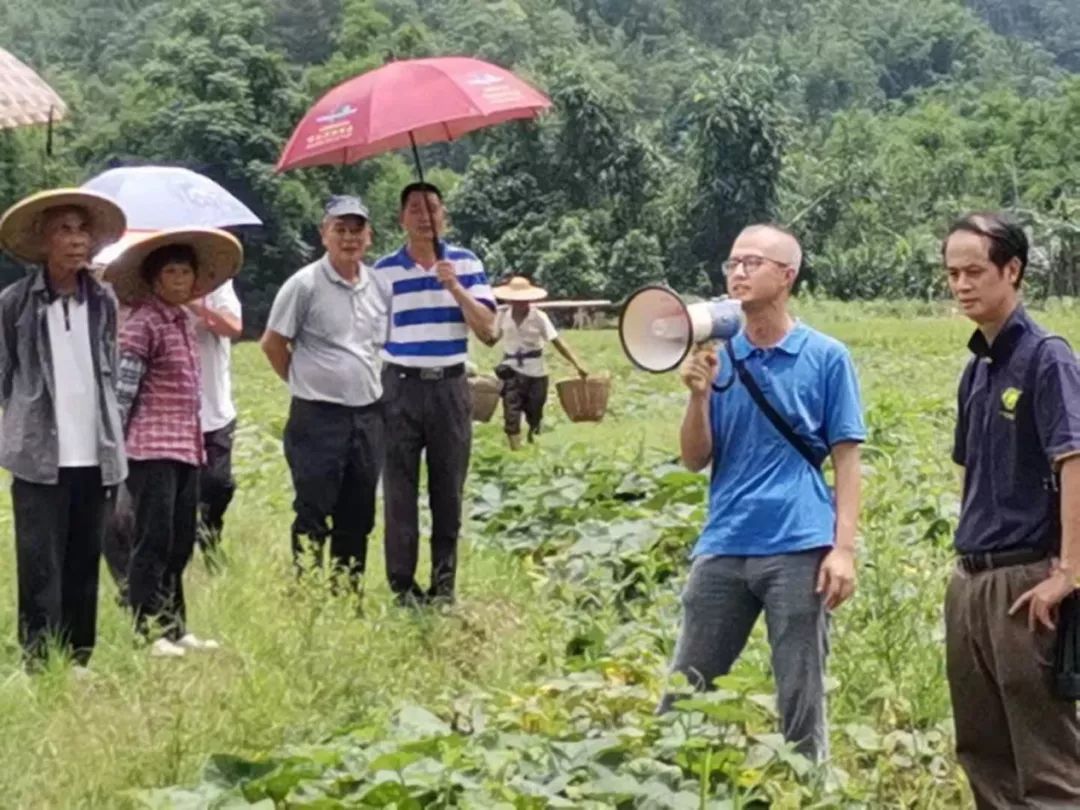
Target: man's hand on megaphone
<point x="699" y="370"/>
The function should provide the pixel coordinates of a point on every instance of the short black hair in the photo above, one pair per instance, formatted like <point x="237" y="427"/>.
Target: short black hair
<point x="168" y="254"/>
<point x="427" y="188"/>
<point x="1007" y="238"/>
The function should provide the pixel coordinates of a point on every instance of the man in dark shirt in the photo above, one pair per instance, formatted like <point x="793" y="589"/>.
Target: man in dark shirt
<point x="1018" y="540"/>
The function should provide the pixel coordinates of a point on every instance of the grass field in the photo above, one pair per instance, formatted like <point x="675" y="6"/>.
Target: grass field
<point x="537" y="689"/>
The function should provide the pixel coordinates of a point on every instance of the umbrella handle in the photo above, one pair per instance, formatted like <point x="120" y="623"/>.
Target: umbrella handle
<point x="436" y="245"/>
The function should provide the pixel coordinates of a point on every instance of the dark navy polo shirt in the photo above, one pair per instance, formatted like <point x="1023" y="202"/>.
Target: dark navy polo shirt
<point x="1019" y="411"/>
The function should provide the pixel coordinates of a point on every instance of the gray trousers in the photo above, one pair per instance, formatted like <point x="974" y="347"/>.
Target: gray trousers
<point x="721" y="603"/>
<point x="434" y="418"/>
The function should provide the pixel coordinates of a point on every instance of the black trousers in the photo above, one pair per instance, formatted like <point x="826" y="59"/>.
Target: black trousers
<point x="216" y="484"/>
<point x="523" y="395"/>
<point x="58" y="536"/>
<point x="165" y="495"/>
<point x="120" y="539"/>
<point x="335" y="455"/>
<point x="433" y="417"/>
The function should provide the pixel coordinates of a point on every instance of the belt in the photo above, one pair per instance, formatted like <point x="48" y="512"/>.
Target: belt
<point x="520" y="357"/>
<point x="337" y="406"/>
<point x="430" y="373"/>
<point x="973" y="563"/>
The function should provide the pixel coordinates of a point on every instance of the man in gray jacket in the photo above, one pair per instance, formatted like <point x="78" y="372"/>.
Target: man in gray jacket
<point x="60" y="434"/>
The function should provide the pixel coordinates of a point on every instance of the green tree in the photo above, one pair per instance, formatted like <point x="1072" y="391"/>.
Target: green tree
<point x="636" y="259"/>
<point x="212" y="95"/>
<point x="571" y="267"/>
<point x="734" y="139"/>
<point x="307" y="29"/>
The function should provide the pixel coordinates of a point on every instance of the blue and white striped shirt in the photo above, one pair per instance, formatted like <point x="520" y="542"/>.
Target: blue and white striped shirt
<point x="426" y="327"/>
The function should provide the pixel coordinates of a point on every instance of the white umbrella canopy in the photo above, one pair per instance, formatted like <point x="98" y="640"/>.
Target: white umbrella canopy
<point x="158" y="197"/>
<point x="25" y="98"/>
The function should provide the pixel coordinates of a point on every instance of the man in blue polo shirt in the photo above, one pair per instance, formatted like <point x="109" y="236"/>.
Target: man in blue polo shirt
<point x="433" y="301"/>
<point x="776" y="540"/>
<point x="1018" y="539"/>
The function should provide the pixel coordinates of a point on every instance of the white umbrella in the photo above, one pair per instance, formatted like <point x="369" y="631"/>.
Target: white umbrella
<point x="154" y="198"/>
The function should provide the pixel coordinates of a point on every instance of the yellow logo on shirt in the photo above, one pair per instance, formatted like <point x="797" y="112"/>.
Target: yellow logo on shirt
<point x="1010" y="398"/>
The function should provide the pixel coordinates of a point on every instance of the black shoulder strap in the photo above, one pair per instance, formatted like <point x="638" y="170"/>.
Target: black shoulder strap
<point x="777" y="420"/>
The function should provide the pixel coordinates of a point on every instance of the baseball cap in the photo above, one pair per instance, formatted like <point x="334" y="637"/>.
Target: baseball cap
<point x="346" y="205"/>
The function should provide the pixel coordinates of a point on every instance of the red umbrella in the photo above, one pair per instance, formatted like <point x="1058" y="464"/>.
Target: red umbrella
<point x="406" y="103"/>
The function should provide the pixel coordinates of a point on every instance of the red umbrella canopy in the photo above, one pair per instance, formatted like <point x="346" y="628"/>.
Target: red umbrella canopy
<point x="25" y="98"/>
<point x="406" y="103"/>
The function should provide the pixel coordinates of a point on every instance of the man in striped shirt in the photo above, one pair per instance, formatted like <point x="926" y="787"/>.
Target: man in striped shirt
<point x="436" y="294"/>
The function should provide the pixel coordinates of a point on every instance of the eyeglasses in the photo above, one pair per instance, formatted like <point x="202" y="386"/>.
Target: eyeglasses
<point x="750" y="264"/>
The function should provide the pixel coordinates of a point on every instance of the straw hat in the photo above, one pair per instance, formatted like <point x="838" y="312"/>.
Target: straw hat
<point x="520" y="288"/>
<point x="20" y="227"/>
<point x="219" y="256"/>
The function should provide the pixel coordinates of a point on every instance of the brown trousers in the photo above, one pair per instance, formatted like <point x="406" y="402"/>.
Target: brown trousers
<point x="523" y="395"/>
<point x="1017" y="742"/>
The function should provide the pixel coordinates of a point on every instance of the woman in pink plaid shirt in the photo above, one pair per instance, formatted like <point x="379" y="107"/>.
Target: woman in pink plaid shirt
<point x="159" y="396"/>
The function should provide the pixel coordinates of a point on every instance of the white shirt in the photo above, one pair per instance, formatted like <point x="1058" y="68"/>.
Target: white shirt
<point x="75" y="400"/>
<point x="528" y="336"/>
<point x="215" y="358"/>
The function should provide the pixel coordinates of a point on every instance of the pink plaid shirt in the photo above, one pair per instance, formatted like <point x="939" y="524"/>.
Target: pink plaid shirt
<point x="164" y="421"/>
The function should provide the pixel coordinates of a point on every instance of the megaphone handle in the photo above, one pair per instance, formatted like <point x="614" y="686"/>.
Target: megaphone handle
<point x="722" y="388"/>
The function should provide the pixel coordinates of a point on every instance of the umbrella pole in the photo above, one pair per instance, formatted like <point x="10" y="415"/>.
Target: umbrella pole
<point x="427" y="203"/>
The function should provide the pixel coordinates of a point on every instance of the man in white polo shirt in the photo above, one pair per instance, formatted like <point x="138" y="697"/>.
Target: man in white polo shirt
<point x="436" y="294"/>
<point x="218" y="323"/>
<point x="322" y="338"/>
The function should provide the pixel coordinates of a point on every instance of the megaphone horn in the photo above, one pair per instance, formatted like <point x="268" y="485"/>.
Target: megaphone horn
<point x="658" y="328"/>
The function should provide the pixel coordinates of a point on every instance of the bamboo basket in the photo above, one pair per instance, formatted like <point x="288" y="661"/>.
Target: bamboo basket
<point x="485" y="391"/>
<point x="585" y="400"/>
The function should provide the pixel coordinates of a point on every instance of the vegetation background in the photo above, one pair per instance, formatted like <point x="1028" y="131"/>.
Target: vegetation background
<point x="865" y="124"/>
<point x="538" y="689"/>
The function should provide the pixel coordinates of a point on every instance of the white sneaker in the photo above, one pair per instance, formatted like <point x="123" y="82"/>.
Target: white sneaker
<point x="163" y="648"/>
<point x="81" y="673"/>
<point x="193" y="642"/>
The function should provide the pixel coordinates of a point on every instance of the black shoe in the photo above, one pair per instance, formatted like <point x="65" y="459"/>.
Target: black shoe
<point x="413" y="597"/>
<point x="440" y="596"/>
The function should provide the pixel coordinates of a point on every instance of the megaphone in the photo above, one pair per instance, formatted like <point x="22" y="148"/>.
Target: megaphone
<point x="658" y="328"/>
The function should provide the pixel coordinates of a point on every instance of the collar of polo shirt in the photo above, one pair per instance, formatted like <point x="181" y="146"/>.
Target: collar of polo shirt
<point x="1002" y="348"/>
<point x="335" y="277"/>
<point x="792" y="342"/>
<point x="443" y="246"/>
